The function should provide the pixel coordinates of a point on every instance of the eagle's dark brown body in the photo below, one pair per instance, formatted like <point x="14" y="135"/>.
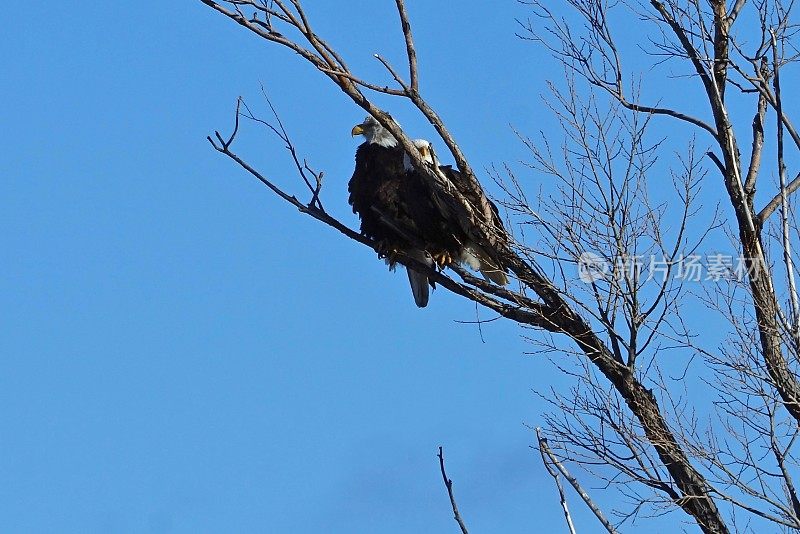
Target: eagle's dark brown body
<point x="397" y="207"/>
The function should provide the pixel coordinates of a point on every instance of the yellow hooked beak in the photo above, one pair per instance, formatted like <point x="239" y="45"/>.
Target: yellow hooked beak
<point x="358" y="129"/>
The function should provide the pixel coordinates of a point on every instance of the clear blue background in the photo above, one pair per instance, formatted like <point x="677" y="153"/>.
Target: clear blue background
<point x="180" y="351"/>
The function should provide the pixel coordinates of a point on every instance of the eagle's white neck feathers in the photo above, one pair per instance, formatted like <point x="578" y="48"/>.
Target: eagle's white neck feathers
<point x="375" y="134"/>
<point x="382" y="138"/>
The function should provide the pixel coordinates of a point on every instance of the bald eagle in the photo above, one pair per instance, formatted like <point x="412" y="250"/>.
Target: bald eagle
<point x="470" y="253"/>
<point x="399" y="210"/>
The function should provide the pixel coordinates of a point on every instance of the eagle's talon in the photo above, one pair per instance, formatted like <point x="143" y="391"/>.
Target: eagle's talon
<point x="383" y="248"/>
<point x="442" y="259"/>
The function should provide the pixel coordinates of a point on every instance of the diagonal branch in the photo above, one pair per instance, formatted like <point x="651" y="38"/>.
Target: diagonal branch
<point x="777" y="200"/>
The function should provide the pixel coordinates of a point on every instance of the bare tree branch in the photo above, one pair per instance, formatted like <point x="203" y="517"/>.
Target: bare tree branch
<point x="411" y="51"/>
<point x="549" y="458"/>
<point x="449" y="485"/>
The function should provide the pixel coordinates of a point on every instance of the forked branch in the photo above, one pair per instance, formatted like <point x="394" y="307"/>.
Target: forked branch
<point x="550" y="461"/>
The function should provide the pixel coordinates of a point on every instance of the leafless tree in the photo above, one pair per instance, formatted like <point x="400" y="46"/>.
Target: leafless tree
<point x="631" y="420"/>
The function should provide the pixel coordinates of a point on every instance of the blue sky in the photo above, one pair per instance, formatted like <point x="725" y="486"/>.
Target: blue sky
<point x="180" y="351"/>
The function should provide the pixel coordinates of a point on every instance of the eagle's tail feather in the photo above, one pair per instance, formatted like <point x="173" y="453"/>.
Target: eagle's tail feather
<point x="420" y="286"/>
<point x="475" y="257"/>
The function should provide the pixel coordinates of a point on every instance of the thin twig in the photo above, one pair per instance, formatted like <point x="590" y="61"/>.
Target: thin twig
<point x="410" y="49"/>
<point x="449" y="485"/>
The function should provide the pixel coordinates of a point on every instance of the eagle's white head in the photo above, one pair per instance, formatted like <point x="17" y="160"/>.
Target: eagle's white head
<point x="426" y="149"/>
<point x="374" y="133"/>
